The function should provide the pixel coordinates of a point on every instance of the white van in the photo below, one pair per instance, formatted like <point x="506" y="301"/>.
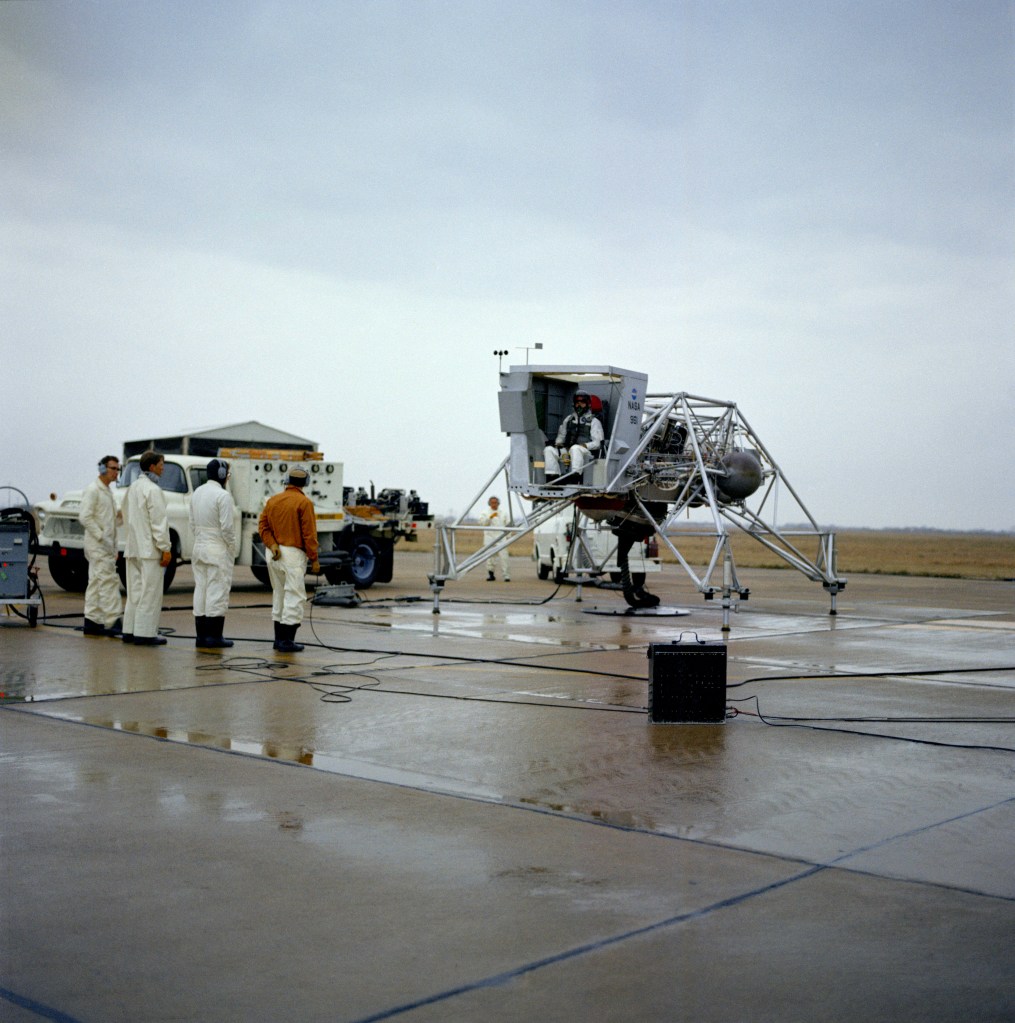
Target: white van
<point x="593" y="556"/>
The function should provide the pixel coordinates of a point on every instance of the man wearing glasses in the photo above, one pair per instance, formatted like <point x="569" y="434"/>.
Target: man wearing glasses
<point x="99" y="517"/>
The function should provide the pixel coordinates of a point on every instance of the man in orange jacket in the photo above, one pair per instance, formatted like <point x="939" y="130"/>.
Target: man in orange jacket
<point x="288" y="529"/>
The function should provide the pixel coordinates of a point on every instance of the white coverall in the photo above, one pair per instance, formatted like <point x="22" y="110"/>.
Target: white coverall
<point x="98" y="515"/>
<point x="581" y="453"/>
<point x="495" y="518"/>
<point x="212" y="520"/>
<point x="147" y="539"/>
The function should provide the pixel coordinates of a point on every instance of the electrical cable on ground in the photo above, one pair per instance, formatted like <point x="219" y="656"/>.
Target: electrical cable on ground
<point x="778" y="721"/>
<point x="341" y="693"/>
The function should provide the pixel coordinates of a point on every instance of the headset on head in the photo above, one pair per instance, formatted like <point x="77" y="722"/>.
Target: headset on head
<point x="221" y="470"/>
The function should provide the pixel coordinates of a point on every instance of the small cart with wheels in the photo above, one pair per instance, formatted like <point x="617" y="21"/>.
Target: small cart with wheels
<point x="19" y="578"/>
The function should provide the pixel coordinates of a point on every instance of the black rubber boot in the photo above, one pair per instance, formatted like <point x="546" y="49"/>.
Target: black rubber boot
<point x="214" y="632"/>
<point x="286" y="644"/>
<point x="278" y="634"/>
<point x="116" y="629"/>
<point x="93" y="628"/>
<point x="200" y="630"/>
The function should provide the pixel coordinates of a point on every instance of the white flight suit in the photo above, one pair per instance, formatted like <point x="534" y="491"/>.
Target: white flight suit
<point x="212" y="519"/>
<point x="147" y="539"/>
<point x="103" y="603"/>
<point x="582" y="452"/>
<point x="495" y="518"/>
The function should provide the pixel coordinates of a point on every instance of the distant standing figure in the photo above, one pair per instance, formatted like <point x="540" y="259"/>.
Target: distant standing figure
<point x="148" y="553"/>
<point x="288" y="528"/>
<point x="213" y="523"/>
<point x="99" y="517"/>
<point x="495" y="517"/>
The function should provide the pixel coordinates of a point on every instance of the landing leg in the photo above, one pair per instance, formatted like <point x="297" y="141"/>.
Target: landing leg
<point x="636" y="596"/>
<point x="436" y="585"/>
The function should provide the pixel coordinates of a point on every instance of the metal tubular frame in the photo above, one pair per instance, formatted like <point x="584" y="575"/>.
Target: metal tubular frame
<point x="691" y="478"/>
<point x="446" y="564"/>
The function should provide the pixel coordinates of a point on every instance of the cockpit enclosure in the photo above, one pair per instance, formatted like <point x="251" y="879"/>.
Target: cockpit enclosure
<point x="534" y="401"/>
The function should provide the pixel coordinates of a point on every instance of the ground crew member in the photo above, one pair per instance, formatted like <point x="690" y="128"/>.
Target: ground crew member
<point x="99" y="517"/>
<point x="495" y="517"/>
<point x="148" y="553"/>
<point x="580" y="434"/>
<point x="213" y="523"/>
<point x="288" y="529"/>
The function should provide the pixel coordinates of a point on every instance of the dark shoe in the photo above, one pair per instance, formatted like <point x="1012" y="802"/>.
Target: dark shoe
<point x="93" y="628"/>
<point x="200" y="630"/>
<point x="150" y="641"/>
<point x="278" y="634"/>
<point x="116" y="629"/>
<point x="490" y="578"/>
<point x="127" y="637"/>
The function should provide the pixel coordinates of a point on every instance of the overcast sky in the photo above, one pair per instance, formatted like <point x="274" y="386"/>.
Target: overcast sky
<point x="328" y="215"/>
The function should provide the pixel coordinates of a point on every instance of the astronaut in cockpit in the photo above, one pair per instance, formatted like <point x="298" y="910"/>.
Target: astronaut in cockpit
<point x="580" y="435"/>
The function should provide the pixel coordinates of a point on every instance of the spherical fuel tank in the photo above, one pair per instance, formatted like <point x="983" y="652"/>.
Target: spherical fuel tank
<point x="743" y="476"/>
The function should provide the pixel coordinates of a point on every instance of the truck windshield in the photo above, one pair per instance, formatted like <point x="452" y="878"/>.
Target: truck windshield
<point x="172" y="479"/>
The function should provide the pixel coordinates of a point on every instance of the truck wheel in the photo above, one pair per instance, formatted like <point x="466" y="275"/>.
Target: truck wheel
<point x="69" y="575"/>
<point x="261" y="574"/>
<point x="363" y="568"/>
<point x="542" y="570"/>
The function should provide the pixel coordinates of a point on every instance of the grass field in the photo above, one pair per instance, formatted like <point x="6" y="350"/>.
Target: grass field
<point x="955" y="555"/>
<point x="903" y="552"/>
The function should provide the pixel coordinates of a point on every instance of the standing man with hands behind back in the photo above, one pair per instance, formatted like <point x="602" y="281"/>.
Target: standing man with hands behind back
<point x="99" y="517"/>
<point x="288" y="528"/>
<point x="148" y="553"/>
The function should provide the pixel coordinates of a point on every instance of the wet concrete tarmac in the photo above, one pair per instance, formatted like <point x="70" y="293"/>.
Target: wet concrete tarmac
<point x="470" y="817"/>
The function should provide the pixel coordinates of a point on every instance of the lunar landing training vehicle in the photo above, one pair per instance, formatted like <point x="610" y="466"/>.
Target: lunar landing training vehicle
<point x="649" y="462"/>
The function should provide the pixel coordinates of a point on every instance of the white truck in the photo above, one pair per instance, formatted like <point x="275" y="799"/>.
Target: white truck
<point x="593" y="555"/>
<point x="357" y="540"/>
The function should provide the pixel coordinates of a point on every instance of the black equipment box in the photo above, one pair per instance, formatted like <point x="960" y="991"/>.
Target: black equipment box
<point x="687" y="683"/>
